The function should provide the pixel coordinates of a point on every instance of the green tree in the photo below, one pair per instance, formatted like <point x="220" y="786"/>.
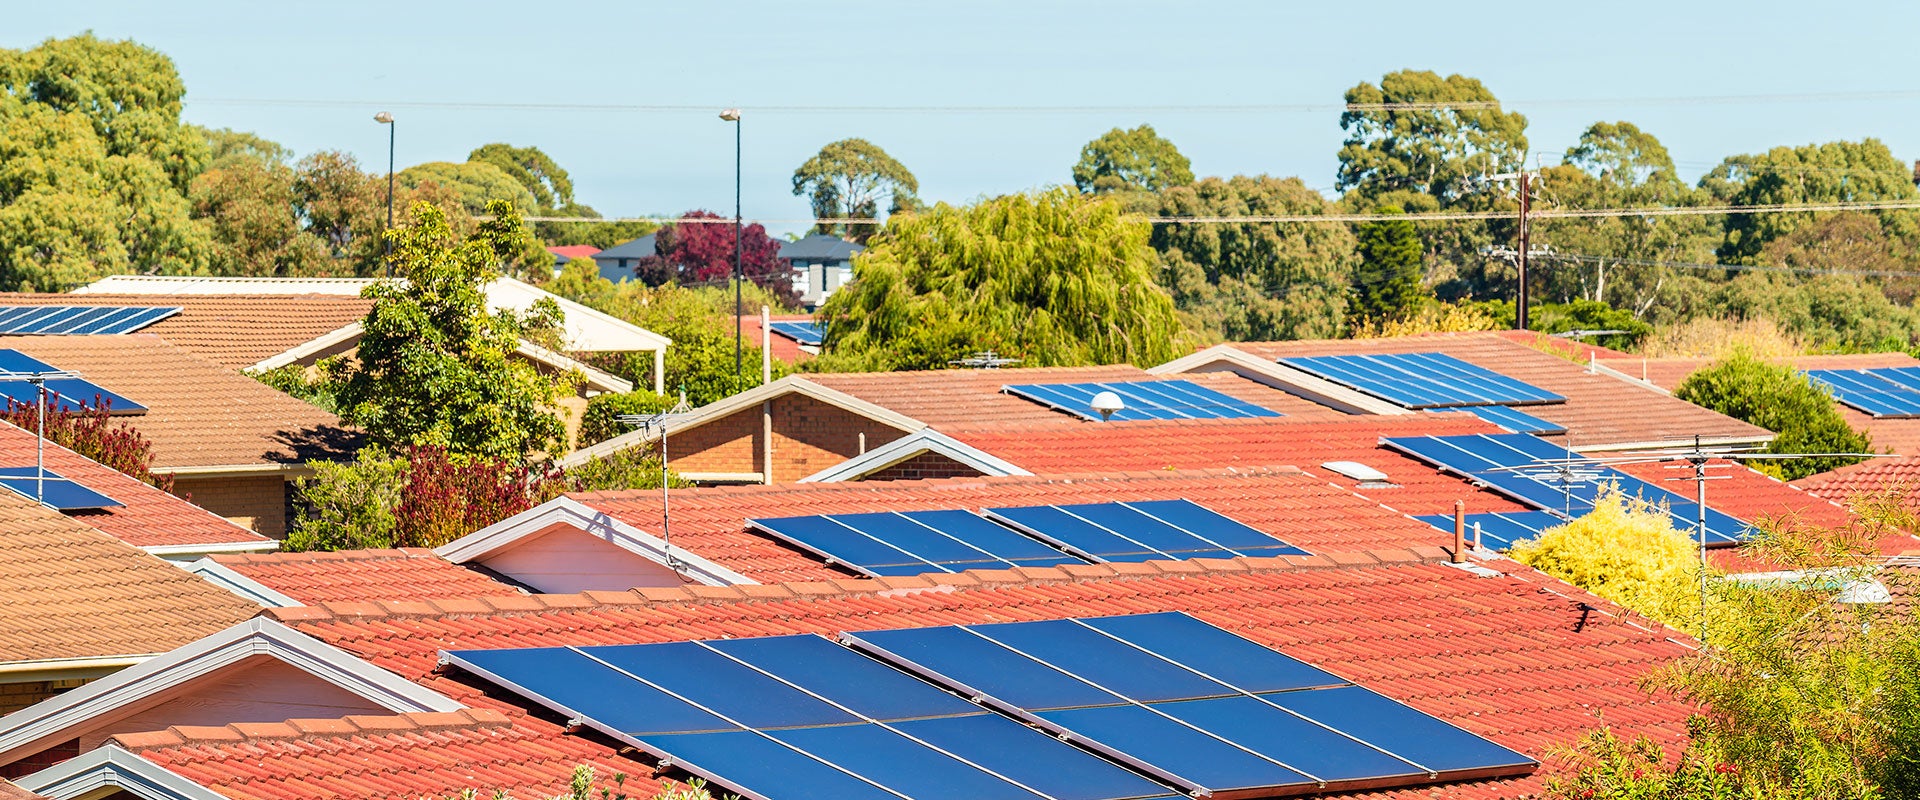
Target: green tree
<point x="128" y="93"/>
<point x="1834" y="172"/>
<point x="435" y="365"/>
<point x="475" y="184"/>
<point x="249" y="207"/>
<point x="602" y="418"/>
<point x="1254" y="281"/>
<point x="549" y="185"/>
<point x="1625" y="550"/>
<point x="1835" y="312"/>
<point x="1386" y="286"/>
<point x="1131" y="160"/>
<point x="1589" y="315"/>
<point x="1454" y="133"/>
<point x="227" y="144"/>
<point x="348" y="506"/>
<point x="1055" y="278"/>
<point x="849" y="178"/>
<point x="1780" y="399"/>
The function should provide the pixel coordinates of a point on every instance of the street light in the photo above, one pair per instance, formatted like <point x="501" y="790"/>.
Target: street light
<point x="386" y="118"/>
<point x="733" y="115"/>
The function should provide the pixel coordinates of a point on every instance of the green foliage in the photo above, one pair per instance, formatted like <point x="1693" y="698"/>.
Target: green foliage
<point x="600" y="422"/>
<point x="1255" y="281"/>
<point x="348" y="506"/>
<point x="1829" y="311"/>
<point x="475" y="184"/>
<point x="1816" y="173"/>
<point x="435" y="365"/>
<point x="1625" y="550"/>
<point x="1055" y="278"/>
<point x="1590" y="315"/>
<point x="247" y="203"/>
<point x="225" y="145"/>
<point x="549" y="185"/>
<point x="1131" y="160"/>
<point x="1387" y="285"/>
<point x="1780" y="399"/>
<point x="848" y="178"/>
<point x="1602" y="766"/>
<point x="319" y="385"/>
<point x="1435" y="152"/>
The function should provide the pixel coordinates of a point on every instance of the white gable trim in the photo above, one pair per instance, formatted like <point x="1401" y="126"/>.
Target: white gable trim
<point x="47" y="721"/>
<point x="301" y="354"/>
<point x="502" y="535"/>
<point x="1279" y="376"/>
<point x="111" y="768"/>
<point x="926" y="440"/>
<point x="184" y="552"/>
<point x="597" y="380"/>
<point x="226" y="578"/>
<point x="728" y="406"/>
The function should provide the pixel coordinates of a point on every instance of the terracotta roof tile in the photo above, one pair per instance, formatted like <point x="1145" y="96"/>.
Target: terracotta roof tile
<point x="199" y="414"/>
<point x="404" y="574"/>
<point x="234" y="331"/>
<point x="1889" y="435"/>
<point x="1306" y="510"/>
<point x="147" y="517"/>
<point x="12" y="791"/>
<point x="971" y="398"/>
<point x="1507" y="657"/>
<point x="75" y="592"/>
<point x="1873" y="476"/>
<point x="1600" y="409"/>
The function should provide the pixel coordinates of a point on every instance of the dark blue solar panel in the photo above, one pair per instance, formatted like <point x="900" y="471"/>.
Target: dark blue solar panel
<point x="1174" y="750"/>
<point x="63" y="394"/>
<point x="1047" y="764"/>
<point x="1216" y="652"/>
<point x="77" y="320"/>
<point x="909" y="767"/>
<point x="983" y="667"/>
<point x="711" y="680"/>
<point x="1142" y="400"/>
<point x="757" y="766"/>
<point x="1423" y="380"/>
<point x="1103" y="660"/>
<point x="914" y="542"/>
<point x="859" y="683"/>
<point x="572" y="683"/>
<point x="1884" y="392"/>
<point x="75" y="392"/>
<point x="1074" y="534"/>
<point x="807" y="333"/>
<point x="1514" y="420"/>
<point x="16" y="361"/>
<point x="53" y="490"/>
<point x="1137" y="531"/>
<point x="1261" y="726"/>
<point x="841" y="543"/>
<point x="1214" y="526"/>
<point x="1398" y="729"/>
<point x="1499" y="530"/>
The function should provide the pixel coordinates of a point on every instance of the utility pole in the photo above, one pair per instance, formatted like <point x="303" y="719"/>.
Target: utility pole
<point x="1520" y="290"/>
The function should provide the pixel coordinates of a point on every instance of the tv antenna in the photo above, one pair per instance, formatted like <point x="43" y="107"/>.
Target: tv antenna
<point x="984" y="359"/>
<point x="661" y="421"/>
<point x="39" y="381"/>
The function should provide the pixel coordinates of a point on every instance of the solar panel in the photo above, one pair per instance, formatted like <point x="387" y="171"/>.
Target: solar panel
<point x="1514" y="420"/>
<point x="807" y="333"/>
<point x="913" y="542"/>
<point x="1142" y="400"/>
<point x="53" y="490"/>
<point x="63" y="394"/>
<point x="1193" y="705"/>
<point x="1887" y="392"/>
<point x="801" y="717"/>
<point x="1142" y="531"/>
<point x="1501" y="529"/>
<point x="1423" y="380"/>
<point x="1546" y="476"/>
<point x="78" y="320"/>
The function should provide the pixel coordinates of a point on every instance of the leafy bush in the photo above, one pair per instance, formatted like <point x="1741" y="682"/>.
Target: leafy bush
<point x="348" y="506"/>
<point x="93" y="432"/>
<point x="1780" y="399"/>
<point x="1625" y="550"/>
<point x="319" y="385"/>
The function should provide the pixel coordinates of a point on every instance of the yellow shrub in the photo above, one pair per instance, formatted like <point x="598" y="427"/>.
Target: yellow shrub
<point x="1432" y="318"/>
<point x="1625" y="550"/>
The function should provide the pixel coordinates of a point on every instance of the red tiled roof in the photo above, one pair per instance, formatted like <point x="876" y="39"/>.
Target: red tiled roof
<point x="1889" y="435"/>
<point x="12" y="791"/>
<point x="199" y="414"/>
<point x="147" y="517"/>
<point x="1600" y="409"/>
<point x="1873" y="476"/>
<point x="1747" y="494"/>
<point x="404" y="574"/>
<point x="1303" y="443"/>
<point x="75" y="592"/>
<point x="971" y="398"/>
<point x="1570" y="349"/>
<point x="406" y="756"/>
<point x="1302" y="509"/>
<point x="234" y="331"/>
<point x="1512" y="657"/>
<point x="574" y="250"/>
<point x="782" y="347"/>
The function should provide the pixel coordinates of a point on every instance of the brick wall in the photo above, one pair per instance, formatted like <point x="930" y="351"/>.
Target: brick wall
<point x="925" y="465"/>
<point x="808" y="436"/>
<point x="254" y="501"/>
<point x="41" y="760"/>
<point x="16" y="696"/>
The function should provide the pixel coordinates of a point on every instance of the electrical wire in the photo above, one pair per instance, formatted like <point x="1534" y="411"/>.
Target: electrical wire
<point x="1642" y="262"/>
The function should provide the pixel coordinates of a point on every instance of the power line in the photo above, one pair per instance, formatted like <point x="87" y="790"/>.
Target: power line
<point x="1641" y="262"/>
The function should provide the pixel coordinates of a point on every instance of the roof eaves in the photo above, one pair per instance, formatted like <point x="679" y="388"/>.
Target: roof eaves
<point x="728" y="406"/>
<point x="926" y="440"/>
<point x="504" y="534"/>
<point x="1279" y="376"/>
<point x="572" y="309"/>
<point x="182" y="552"/>
<point x="109" y="767"/>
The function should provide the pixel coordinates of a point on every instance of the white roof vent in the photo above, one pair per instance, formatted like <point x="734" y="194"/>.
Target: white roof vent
<point x="1106" y="403"/>
<point x="1359" y="472"/>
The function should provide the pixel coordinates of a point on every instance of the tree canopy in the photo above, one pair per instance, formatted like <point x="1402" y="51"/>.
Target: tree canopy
<point x="1833" y="172"/>
<point x="1387" y="286"/>
<point x="701" y="254"/>
<point x="1255" y="281"/>
<point x="1131" y="160"/>
<point x="1054" y="278"/>
<point x="1433" y="150"/>
<point x="848" y="179"/>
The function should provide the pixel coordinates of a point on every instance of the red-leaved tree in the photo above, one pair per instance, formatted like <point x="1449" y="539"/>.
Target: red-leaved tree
<point x="446" y="498"/>
<point x="701" y="254"/>
<point x="92" y="432"/>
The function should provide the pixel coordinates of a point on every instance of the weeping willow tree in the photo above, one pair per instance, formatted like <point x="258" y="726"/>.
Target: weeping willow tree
<point x="1054" y="279"/>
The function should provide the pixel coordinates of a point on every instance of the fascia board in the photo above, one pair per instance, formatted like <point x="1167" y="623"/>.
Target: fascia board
<point x="111" y="767"/>
<point x="926" y="440"/>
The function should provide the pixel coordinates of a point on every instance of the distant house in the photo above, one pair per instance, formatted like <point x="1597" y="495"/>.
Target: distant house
<point x="617" y="262"/>
<point x="821" y="264"/>
<point x="568" y="252"/>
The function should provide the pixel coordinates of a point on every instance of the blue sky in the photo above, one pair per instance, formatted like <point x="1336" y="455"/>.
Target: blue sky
<point x="1563" y="68"/>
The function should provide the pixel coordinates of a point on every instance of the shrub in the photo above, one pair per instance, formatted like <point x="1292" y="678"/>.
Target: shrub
<point x="1780" y="399"/>
<point x="348" y="506"/>
<point x="600" y="422"/>
<point x="1625" y="550"/>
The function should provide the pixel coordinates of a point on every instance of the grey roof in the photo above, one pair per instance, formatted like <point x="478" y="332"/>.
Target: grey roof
<point x="638" y="248"/>
<point x="820" y="247"/>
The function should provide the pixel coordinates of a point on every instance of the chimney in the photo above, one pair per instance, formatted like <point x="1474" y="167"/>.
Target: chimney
<point x="1459" y="532"/>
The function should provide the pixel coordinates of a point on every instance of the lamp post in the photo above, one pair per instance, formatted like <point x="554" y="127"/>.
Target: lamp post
<point x="733" y="115"/>
<point x="386" y="118"/>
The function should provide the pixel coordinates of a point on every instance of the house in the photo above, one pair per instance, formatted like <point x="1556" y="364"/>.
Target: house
<point x="822" y="263"/>
<point x="618" y="262"/>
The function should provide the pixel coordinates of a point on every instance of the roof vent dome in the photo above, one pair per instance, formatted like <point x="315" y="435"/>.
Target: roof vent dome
<point x="1106" y="403"/>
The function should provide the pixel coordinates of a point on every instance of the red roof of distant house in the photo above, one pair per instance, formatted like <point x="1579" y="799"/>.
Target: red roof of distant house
<point x="781" y="347"/>
<point x="344" y="575"/>
<point x="1870" y="477"/>
<point x="1515" y="657"/>
<point x="573" y="250"/>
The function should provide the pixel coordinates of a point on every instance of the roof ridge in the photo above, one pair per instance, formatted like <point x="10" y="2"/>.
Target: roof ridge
<point x="895" y="486"/>
<point x="849" y="587"/>
<point x="315" y="728"/>
<point x="290" y="556"/>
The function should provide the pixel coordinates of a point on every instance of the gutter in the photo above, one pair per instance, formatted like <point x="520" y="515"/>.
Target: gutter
<point x="218" y="470"/>
<point x="53" y="669"/>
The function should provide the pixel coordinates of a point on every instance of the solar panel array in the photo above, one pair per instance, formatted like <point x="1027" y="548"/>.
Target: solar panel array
<point x="1532" y="471"/>
<point x="1144" y="400"/>
<point x="1514" y="419"/>
<point x="916" y="542"/>
<point x="78" y="320"/>
<point x="63" y="394"/>
<point x="1883" y="392"/>
<point x="807" y="333"/>
<point x="1423" y="380"/>
<point x="1499" y="530"/>
<point x="53" y="490"/>
<point x="1187" y="708"/>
